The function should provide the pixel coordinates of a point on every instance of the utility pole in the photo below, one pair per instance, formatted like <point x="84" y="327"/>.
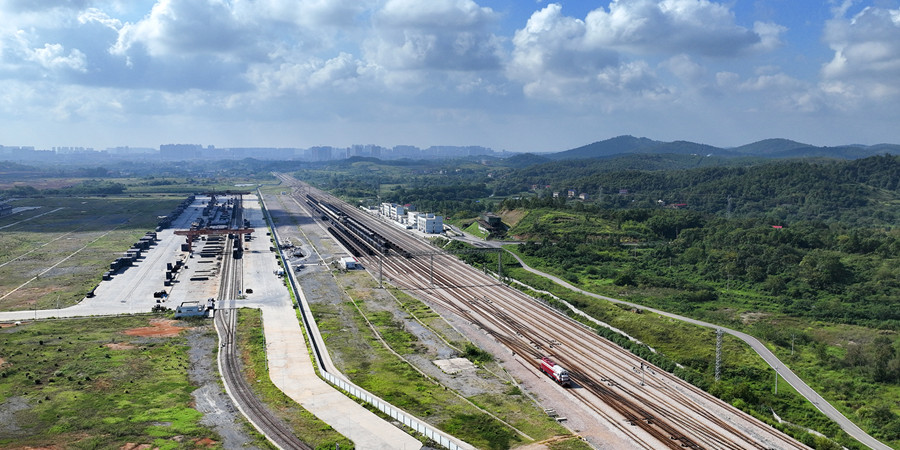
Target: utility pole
<point x="776" y="381"/>
<point x="500" y="265"/>
<point x="380" y="264"/>
<point x="719" y="334"/>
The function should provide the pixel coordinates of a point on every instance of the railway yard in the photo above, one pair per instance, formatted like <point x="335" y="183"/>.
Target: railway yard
<point x="643" y="405"/>
<point x="212" y="256"/>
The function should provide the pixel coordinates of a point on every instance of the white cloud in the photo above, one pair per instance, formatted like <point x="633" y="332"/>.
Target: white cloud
<point x="674" y="26"/>
<point x="866" y="52"/>
<point x="555" y="60"/>
<point x="341" y="73"/>
<point x="685" y="68"/>
<point x="178" y="28"/>
<point x="562" y="57"/>
<point x="624" y="67"/>
<point x="307" y="13"/>
<point x="52" y="56"/>
<point x="769" y="36"/>
<point x="98" y="16"/>
<point x="445" y="35"/>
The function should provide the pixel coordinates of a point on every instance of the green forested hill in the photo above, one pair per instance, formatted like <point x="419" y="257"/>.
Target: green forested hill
<point x="866" y="191"/>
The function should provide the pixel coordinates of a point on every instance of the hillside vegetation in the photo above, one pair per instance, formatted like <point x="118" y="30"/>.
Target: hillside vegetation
<point x="802" y="254"/>
<point x="863" y="192"/>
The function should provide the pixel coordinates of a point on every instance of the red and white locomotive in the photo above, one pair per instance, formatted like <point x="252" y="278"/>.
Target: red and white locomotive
<point x="555" y="371"/>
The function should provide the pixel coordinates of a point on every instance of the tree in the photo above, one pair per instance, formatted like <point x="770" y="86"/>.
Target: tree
<point x="823" y="269"/>
<point x="882" y="354"/>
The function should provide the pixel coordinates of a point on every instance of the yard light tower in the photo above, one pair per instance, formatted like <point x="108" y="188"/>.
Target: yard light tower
<point x="719" y="334"/>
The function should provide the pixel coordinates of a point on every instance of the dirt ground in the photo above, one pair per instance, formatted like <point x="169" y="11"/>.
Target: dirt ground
<point x="118" y="346"/>
<point x="157" y="328"/>
<point x="133" y="446"/>
<point x="210" y="398"/>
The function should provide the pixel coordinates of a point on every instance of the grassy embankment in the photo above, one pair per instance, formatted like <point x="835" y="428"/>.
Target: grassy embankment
<point x="82" y="383"/>
<point x="364" y="359"/>
<point x="253" y="354"/>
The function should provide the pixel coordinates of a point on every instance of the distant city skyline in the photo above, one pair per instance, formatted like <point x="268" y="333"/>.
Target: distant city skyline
<point x="510" y="75"/>
<point x="181" y="152"/>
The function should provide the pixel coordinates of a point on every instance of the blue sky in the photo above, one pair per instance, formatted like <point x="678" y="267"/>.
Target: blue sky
<point x="518" y="75"/>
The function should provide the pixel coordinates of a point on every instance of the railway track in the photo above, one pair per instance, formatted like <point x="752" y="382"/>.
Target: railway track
<point x="264" y="420"/>
<point x="664" y="411"/>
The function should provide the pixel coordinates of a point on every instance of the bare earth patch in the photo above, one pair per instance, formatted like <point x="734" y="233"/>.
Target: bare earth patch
<point x="2" y="362"/>
<point x="545" y="444"/>
<point x="157" y="328"/>
<point x="512" y="218"/>
<point x="205" y="442"/>
<point x="118" y="346"/>
<point x="751" y="317"/>
<point x="133" y="446"/>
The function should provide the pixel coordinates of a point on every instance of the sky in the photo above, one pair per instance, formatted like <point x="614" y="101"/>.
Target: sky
<point x="518" y="75"/>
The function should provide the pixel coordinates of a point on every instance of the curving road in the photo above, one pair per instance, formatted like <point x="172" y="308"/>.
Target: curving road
<point x="820" y="403"/>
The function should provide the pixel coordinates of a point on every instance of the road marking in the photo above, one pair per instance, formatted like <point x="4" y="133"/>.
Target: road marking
<point x="31" y="218"/>
<point x="62" y="260"/>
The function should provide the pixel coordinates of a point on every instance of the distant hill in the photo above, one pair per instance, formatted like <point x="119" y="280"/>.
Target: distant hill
<point x="689" y="148"/>
<point x="770" y="146"/>
<point x="609" y="147"/>
<point x="525" y="160"/>
<point x="767" y="148"/>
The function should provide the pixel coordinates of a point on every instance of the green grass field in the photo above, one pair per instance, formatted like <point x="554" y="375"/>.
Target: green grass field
<point x="83" y="383"/>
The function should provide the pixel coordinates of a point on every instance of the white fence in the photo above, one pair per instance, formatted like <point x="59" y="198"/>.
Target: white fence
<point x="397" y="414"/>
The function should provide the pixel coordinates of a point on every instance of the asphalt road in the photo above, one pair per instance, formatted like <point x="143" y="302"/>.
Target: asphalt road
<point x="783" y="371"/>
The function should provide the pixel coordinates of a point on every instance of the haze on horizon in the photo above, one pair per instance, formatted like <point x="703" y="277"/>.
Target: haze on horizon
<point x="521" y="76"/>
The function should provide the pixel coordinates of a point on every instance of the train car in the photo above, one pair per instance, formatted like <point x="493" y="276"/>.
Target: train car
<point x="555" y="371"/>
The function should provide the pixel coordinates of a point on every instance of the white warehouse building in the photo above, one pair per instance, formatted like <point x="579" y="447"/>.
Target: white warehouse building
<point x="430" y="223"/>
<point x="393" y="211"/>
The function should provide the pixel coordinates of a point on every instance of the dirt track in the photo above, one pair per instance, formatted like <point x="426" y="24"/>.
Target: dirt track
<point x="157" y="328"/>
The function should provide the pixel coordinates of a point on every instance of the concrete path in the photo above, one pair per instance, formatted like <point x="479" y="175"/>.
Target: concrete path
<point x="290" y="367"/>
<point x="293" y="373"/>
<point x="830" y="411"/>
